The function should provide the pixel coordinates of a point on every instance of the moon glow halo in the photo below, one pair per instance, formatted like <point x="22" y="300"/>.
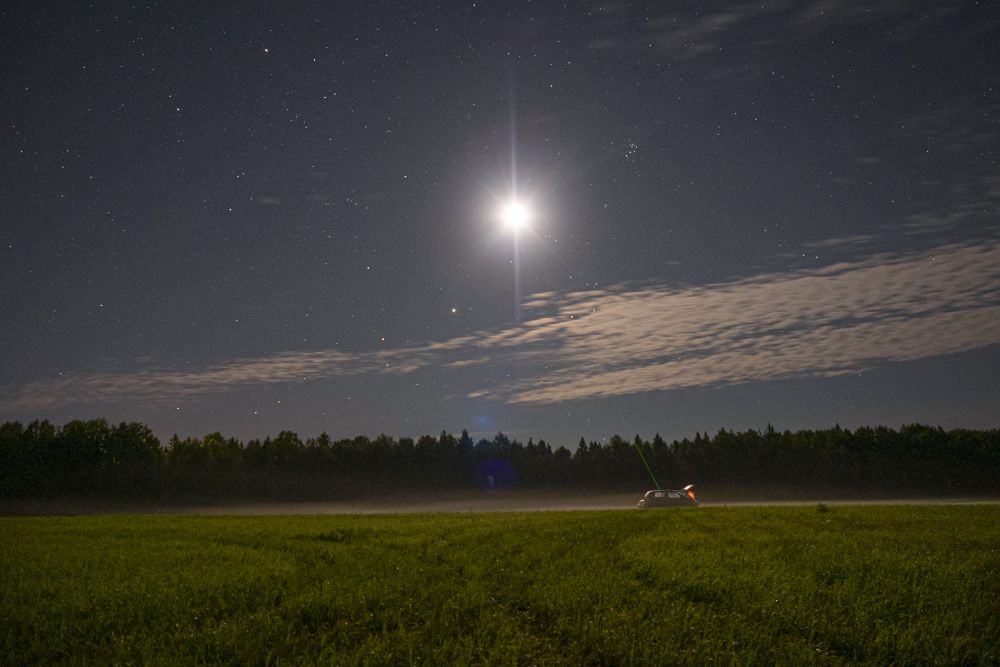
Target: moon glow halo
<point x="515" y="215"/>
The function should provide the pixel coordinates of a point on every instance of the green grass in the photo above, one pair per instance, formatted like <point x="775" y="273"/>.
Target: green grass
<point x="786" y="585"/>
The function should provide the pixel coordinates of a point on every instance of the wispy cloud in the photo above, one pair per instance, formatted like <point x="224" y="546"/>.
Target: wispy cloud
<point x="855" y="242"/>
<point x="682" y="36"/>
<point x="167" y="385"/>
<point x="843" y="318"/>
<point x="825" y="13"/>
<point x="955" y="137"/>
<point x="765" y="26"/>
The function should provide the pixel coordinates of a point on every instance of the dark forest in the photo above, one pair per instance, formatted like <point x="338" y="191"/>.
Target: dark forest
<point x="95" y="459"/>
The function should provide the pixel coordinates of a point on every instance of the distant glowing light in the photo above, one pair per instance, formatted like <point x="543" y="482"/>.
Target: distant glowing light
<point x="515" y="215"/>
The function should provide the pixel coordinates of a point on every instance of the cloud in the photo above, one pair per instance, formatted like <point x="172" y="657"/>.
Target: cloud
<point x="854" y="243"/>
<point x="686" y="37"/>
<point x="827" y="13"/>
<point x="626" y="339"/>
<point x="844" y="318"/>
<point x="751" y="30"/>
<point x="966" y="197"/>
<point x="166" y="385"/>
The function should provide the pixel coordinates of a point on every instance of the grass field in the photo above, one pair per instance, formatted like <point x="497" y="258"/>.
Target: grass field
<point x="789" y="585"/>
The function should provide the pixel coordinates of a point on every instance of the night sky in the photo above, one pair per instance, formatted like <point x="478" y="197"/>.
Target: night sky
<point x="253" y="217"/>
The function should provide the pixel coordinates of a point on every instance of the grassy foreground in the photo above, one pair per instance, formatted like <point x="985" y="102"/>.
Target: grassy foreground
<point x="789" y="585"/>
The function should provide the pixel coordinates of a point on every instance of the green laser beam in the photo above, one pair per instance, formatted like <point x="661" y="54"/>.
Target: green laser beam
<point x="648" y="469"/>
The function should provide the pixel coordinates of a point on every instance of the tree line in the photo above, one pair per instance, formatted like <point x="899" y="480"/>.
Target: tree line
<point x="93" y="458"/>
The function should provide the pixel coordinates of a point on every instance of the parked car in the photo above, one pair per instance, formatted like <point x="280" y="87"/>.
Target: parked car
<point x="669" y="498"/>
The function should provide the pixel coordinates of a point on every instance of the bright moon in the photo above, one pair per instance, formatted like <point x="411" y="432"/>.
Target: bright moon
<point x="515" y="215"/>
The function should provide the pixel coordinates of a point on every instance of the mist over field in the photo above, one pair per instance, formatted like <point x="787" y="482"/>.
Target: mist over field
<point x="446" y="504"/>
